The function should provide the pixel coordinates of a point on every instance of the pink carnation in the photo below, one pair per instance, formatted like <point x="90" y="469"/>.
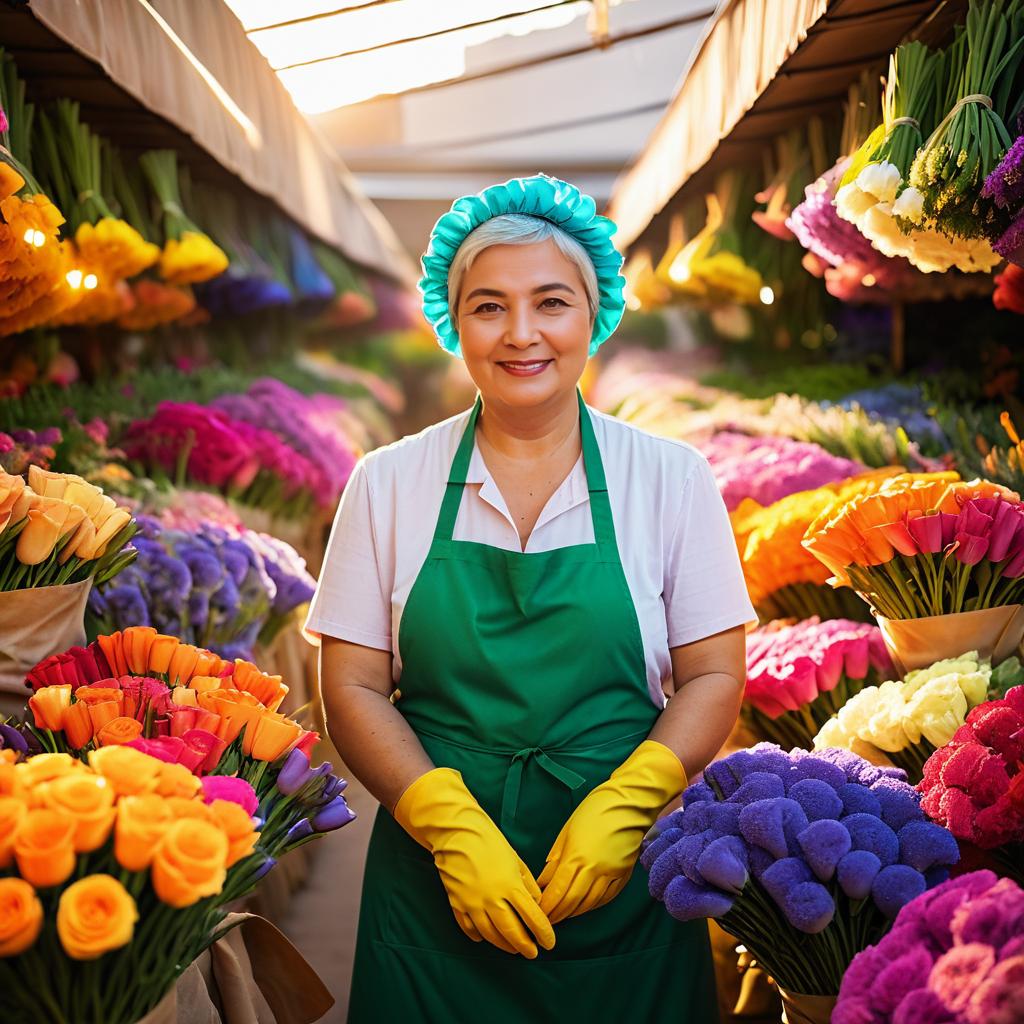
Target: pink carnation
<point x="226" y="787"/>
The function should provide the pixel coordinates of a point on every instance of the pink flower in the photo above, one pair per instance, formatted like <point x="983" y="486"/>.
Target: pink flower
<point x="1006" y="522"/>
<point x="960" y="971"/>
<point x="926" y="531"/>
<point x="163" y="748"/>
<point x="970" y="548"/>
<point x="226" y="787"/>
<point x="899" y="536"/>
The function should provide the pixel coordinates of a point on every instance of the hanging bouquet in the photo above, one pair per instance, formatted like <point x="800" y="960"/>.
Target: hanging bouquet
<point x="353" y="302"/>
<point x="189" y="256"/>
<point x="799" y="676"/>
<point x="766" y="469"/>
<point x="905" y="721"/>
<point x="118" y="869"/>
<point x="248" y="463"/>
<point x="58" y="529"/>
<point x="974" y="785"/>
<point x="805" y="858"/>
<point x="155" y="304"/>
<point x="214" y="586"/>
<point x="783" y="579"/>
<point x="982" y="97"/>
<point x="955" y="955"/>
<point x="1005" y="188"/>
<point x="34" y="263"/>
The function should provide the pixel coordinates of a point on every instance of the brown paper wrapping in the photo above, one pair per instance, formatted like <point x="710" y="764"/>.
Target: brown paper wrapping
<point x="251" y="975"/>
<point x="35" y="624"/>
<point x="995" y="633"/>
<point x="801" y="1009"/>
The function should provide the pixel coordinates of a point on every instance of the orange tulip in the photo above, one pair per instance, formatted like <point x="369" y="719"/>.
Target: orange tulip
<point x="102" y="714"/>
<point x="273" y="736"/>
<point x="128" y="770"/>
<point x="137" y="642"/>
<point x="117" y="731"/>
<point x="46" y="483"/>
<point x="183" y="663"/>
<point x="81" y="543"/>
<point x="268" y="690"/>
<point x="99" y="694"/>
<point x="113" y="525"/>
<point x="205" y="684"/>
<point x="161" y="652"/>
<point x="48" y="704"/>
<point x="44" y="847"/>
<point x="112" y="647"/>
<point x="77" y="725"/>
<point x="184" y="697"/>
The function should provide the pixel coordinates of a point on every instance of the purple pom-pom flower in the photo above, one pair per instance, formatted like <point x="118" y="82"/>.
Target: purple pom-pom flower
<point x="824" y="844"/>
<point x="856" y="873"/>
<point x="895" y="886"/>
<point x="687" y="901"/>
<point x="724" y="864"/>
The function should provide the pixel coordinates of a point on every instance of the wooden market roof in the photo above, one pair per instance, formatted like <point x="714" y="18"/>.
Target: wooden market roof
<point x="764" y="66"/>
<point x="186" y="77"/>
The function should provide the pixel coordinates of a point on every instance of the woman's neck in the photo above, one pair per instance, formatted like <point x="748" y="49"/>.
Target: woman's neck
<point x="531" y="433"/>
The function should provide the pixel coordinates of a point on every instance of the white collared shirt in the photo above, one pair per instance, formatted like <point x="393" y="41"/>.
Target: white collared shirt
<point x="673" y="533"/>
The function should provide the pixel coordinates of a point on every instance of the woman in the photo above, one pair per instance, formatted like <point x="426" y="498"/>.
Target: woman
<point x="534" y="576"/>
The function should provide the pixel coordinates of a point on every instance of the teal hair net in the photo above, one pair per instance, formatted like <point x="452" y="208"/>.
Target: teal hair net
<point x="537" y="196"/>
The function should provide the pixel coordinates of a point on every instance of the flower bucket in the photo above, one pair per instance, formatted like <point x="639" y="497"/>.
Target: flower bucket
<point x="995" y="633"/>
<point x="35" y="624"/>
<point x="802" y="1009"/>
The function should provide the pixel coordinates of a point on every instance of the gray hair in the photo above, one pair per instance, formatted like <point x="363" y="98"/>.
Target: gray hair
<point x="520" y="229"/>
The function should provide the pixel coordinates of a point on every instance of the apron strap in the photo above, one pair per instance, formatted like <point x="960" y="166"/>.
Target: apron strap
<point x="600" y="507"/>
<point x="514" y="780"/>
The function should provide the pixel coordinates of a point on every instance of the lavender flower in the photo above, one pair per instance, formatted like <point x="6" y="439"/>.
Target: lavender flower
<point x="824" y="844"/>
<point x="871" y="834"/>
<point x="895" y="886"/>
<point x="688" y="901"/>
<point x="859" y="800"/>
<point x="924" y="845"/>
<point x="856" y="873"/>
<point x="818" y="799"/>
<point x="1005" y="185"/>
<point x="724" y="863"/>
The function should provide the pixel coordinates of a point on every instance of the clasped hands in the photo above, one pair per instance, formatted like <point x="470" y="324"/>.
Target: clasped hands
<point x="492" y="893"/>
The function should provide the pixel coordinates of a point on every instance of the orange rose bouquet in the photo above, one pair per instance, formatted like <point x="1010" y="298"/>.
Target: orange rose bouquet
<point x="116" y="869"/>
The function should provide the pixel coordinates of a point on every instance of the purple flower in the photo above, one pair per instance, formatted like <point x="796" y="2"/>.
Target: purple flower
<point x="1005" y="185"/>
<point x="773" y="824"/>
<point x="1011" y="241"/>
<point x="294" y="772"/>
<point x="871" y="834"/>
<point x="655" y="848"/>
<point x="809" y="907"/>
<point x="859" y="800"/>
<point x="333" y="815"/>
<point x="905" y="973"/>
<point x="302" y="829"/>
<point x="894" y="886"/>
<point x="824" y="844"/>
<point x="856" y="872"/>
<point x="924" y="845"/>
<point x="722" y="819"/>
<point x="719" y="774"/>
<point x="960" y="971"/>
<point x="688" y="850"/>
<point x="11" y="739"/>
<point x="698" y="792"/>
<point x="814" y="766"/>
<point x="758" y="786"/>
<point x="994" y="917"/>
<point x="900" y="802"/>
<point x="724" y="864"/>
<point x="664" y="868"/>
<point x="265" y="868"/>
<point x="687" y="901"/>
<point x="818" y="799"/>
<point x="999" y="999"/>
<point x="784" y="875"/>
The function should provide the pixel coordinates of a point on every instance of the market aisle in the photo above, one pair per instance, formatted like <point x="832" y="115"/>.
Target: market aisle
<point x="323" y="915"/>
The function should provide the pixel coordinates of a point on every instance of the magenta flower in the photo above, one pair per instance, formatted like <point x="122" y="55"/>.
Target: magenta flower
<point x="926" y="532"/>
<point x="970" y="549"/>
<point x="226" y="787"/>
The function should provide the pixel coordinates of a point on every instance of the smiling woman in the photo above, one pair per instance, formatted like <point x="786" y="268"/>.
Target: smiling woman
<point x="557" y="574"/>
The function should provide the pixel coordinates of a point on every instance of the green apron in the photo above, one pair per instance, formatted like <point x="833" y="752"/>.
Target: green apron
<point x="526" y="673"/>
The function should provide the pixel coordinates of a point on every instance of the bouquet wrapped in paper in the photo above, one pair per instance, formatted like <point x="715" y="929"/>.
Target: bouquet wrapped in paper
<point x="799" y="676"/>
<point x="974" y="785"/>
<point x="955" y="955"/>
<point x="941" y="565"/>
<point x="904" y="721"/>
<point x="806" y="858"/>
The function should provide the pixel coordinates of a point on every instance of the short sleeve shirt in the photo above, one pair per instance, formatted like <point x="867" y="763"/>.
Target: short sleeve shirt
<point x="674" y="537"/>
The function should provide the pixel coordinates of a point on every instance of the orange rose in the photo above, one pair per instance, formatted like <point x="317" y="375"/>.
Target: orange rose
<point x="95" y="915"/>
<point x="118" y="731"/>
<point x="238" y="828"/>
<point x="210" y="664"/>
<point x="99" y="695"/>
<point x="177" y="780"/>
<point x="44" y="847"/>
<point x="77" y="725"/>
<point x="190" y="863"/>
<point x="21" y="916"/>
<point x="12" y="812"/>
<point x="102" y="714"/>
<point x="187" y="807"/>
<point x="161" y="652"/>
<point x="137" y="642"/>
<point x="141" y="824"/>
<point x="268" y="690"/>
<point x="183" y="664"/>
<point x="44" y="767"/>
<point x="112" y="647"/>
<point x="48" y="704"/>
<point x="271" y="737"/>
<point x="128" y="770"/>
<point x="9" y="784"/>
<point x="88" y="800"/>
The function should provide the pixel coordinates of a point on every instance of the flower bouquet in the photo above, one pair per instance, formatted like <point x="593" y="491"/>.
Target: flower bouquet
<point x="766" y="469"/>
<point x="922" y="551"/>
<point x="955" y="955"/>
<point x="58" y="536"/>
<point x="974" y="785"/>
<point x="116" y="870"/>
<point x="805" y="858"/>
<point x="1004" y="188"/>
<point x="783" y="579"/>
<point x="799" y="676"/>
<point x="903" y="721"/>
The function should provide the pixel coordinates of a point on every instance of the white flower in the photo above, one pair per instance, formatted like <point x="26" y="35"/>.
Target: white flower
<point x="879" y="227"/>
<point x="909" y="205"/>
<point x="881" y="180"/>
<point x="852" y="203"/>
<point x="831" y="734"/>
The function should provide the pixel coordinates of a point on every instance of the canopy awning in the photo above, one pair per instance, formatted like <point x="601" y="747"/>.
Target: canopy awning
<point x="186" y="76"/>
<point x="763" y="67"/>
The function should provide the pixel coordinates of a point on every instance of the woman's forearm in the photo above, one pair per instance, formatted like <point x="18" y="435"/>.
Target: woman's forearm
<point x="374" y="740"/>
<point x="699" y="719"/>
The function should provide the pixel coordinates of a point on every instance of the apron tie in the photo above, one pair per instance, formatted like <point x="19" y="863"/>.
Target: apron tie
<point x="514" y="780"/>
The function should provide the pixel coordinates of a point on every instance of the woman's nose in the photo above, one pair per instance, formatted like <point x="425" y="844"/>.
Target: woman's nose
<point x="522" y="327"/>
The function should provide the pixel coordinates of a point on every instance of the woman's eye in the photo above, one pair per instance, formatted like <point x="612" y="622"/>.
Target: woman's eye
<point x="487" y="307"/>
<point x="552" y="299"/>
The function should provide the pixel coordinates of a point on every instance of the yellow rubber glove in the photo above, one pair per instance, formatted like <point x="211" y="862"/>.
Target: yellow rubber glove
<point x="491" y="891"/>
<point x="594" y="854"/>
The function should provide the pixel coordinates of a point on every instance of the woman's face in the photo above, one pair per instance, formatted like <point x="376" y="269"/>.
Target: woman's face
<point x="524" y="324"/>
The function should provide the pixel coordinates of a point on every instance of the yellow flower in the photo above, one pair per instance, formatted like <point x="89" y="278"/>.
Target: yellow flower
<point x="115" y="246"/>
<point x="192" y="258"/>
<point x="95" y="915"/>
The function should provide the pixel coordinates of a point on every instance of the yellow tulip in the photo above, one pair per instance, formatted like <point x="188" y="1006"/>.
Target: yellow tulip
<point x="46" y="483"/>
<point x="107" y="507"/>
<point x="36" y="542"/>
<point x="116" y="522"/>
<point x="85" y="494"/>
<point x="81" y="544"/>
<point x="26" y="500"/>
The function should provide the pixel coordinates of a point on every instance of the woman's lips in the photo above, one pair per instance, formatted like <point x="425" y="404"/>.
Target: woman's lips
<point x="525" y="367"/>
